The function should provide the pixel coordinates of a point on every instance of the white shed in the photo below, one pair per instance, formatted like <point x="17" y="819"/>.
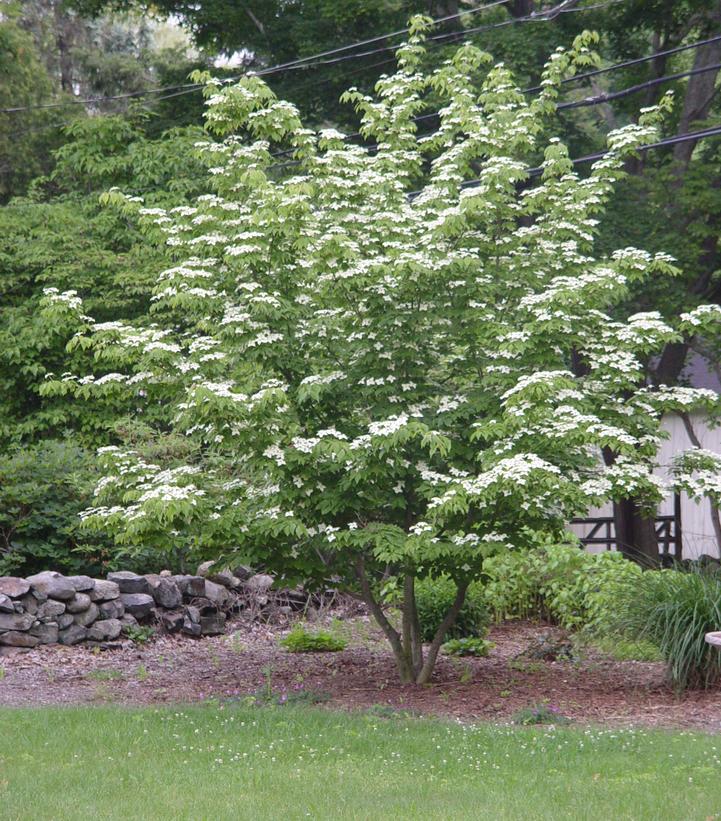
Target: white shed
<point x="697" y="531"/>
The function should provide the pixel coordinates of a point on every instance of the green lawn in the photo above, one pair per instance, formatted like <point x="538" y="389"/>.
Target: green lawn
<point x="211" y="762"/>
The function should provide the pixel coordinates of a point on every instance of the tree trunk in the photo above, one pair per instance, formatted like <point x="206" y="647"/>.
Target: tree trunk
<point x="700" y="92"/>
<point x="407" y="645"/>
<point x="635" y="533"/>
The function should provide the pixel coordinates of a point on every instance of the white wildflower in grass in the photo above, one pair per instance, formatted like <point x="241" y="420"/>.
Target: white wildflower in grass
<point x="378" y="372"/>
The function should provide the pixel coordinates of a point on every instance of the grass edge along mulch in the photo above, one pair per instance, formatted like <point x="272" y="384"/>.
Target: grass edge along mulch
<point x="218" y="761"/>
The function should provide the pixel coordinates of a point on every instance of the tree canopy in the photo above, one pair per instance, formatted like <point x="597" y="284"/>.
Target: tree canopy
<point x="391" y="362"/>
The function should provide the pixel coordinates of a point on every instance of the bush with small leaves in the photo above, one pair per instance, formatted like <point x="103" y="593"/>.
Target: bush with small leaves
<point x="433" y="599"/>
<point x="300" y="640"/>
<point x="138" y="634"/>
<point x="468" y="646"/>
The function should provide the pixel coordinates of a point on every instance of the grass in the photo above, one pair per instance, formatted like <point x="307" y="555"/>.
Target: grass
<point x="228" y="762"/>
<point x="674" y="609"/>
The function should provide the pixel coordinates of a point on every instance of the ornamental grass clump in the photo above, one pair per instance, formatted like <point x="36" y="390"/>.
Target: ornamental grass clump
<point x="390" y="361"/>
<point x="674" y="609"/>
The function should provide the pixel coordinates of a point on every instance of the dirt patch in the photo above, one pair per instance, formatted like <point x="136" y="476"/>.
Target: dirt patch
<point x="595" y="690"/>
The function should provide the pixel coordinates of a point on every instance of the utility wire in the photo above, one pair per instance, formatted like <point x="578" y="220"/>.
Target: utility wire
<point x="299" y="63"/>
<point x="438" y="39"/>
<point x="302" y="62"/>
<point x="588" y="101"/>
<point x="628" y="63"/>
<point x="187" y="88"/>
<point x="701" y="134"/>
<point x="615" y="95"/>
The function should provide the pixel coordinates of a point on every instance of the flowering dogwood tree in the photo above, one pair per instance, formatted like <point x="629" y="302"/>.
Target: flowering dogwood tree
<point x="388" y="373"/>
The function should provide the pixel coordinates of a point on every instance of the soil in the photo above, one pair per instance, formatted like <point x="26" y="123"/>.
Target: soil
<point x="594" y="690"/>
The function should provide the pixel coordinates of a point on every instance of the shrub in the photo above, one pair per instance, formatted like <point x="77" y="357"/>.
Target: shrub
<point x="468" y="647"/>
<point x="43" y="488"/>
<point x="674" y="609"/>
<point x="434" y="597"/>
<point x="300" y="640"/>
<point x="560" y="583"/>
<point x="138" y="634"/>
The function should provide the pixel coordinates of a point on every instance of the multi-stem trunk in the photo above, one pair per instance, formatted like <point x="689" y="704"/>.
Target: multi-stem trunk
<point x="414" y="666"/>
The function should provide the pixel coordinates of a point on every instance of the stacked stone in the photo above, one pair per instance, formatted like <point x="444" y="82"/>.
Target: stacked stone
<point x="50" y="608"/>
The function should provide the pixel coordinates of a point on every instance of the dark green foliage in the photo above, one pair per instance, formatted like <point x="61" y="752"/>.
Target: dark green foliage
<point x="300" y="640"/>
<point x="674" y="609"/>
<point x="434" y="598"/>
<point x="138" y="634"/>
<point x="560" y="583"/>
<point x="43" y="488"/>
<point x="468" y="647"/>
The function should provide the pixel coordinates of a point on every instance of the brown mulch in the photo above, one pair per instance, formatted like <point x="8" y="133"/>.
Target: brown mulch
<point x="179" y="670"/>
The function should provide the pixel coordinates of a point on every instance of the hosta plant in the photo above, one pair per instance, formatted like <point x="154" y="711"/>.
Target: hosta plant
<point x="390" y="372"/>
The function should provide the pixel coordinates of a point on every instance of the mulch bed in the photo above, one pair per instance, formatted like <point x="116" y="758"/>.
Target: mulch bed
<point x="180" y="670"/>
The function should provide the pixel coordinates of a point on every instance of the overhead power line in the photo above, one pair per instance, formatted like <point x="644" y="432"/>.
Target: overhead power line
<point x="701" y="134"/>
<point x="314" y="60"/>
<point x="597" y="99"/>
<point x="301" y="62"/>
<point x="636" y="61"/>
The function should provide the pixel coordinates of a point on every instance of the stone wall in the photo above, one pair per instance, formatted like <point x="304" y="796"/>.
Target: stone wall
<point x="50" y="608"/>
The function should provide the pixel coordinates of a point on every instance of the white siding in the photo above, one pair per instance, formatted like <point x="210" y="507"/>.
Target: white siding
<point x="696" y="528"/>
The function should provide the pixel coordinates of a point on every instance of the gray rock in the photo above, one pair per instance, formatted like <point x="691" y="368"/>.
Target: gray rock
<point x="211" y="571"/>
<point x="216" y="593"/>
<point x="129" y="620"/>
<point x="104" y="590"/>
<point x="129" y="582"/>
<point x="166" y="574"/>
<point x="13" y="587"/>
<point x="10" y="652"/>
<point x="260" y="583"/>
<point x="17" y="606"/>
<point x="87" y="617"/>
<point x="15" y="639"/>
<point x="78" y="603"/>
<point x="65" y="620"/>
<point x="47" y="633"/>
<point x="52" y="584"/>
<point x="105" y="630"/>
<point x="137" y="604"/>
<point x="165" y="592"/>
<point x="204" y="569"/>
<point x="190" y="628"/>
<point x="213" y="624"/>
<point x="29" y="603"/>
<point x="193" y="613"/>
<point x="73" y="634"/>
<point x="243" y="573"/>
<point x="16" y="621"/>
<point x="50" y="610"/>
<point x="38" y="595"/>
<point x="190" y="586"/>
<point x="172" y="622"/>
<point x="6" y="604"/>
<point x="112" y="609"/>
<point x="82" y="583"/>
